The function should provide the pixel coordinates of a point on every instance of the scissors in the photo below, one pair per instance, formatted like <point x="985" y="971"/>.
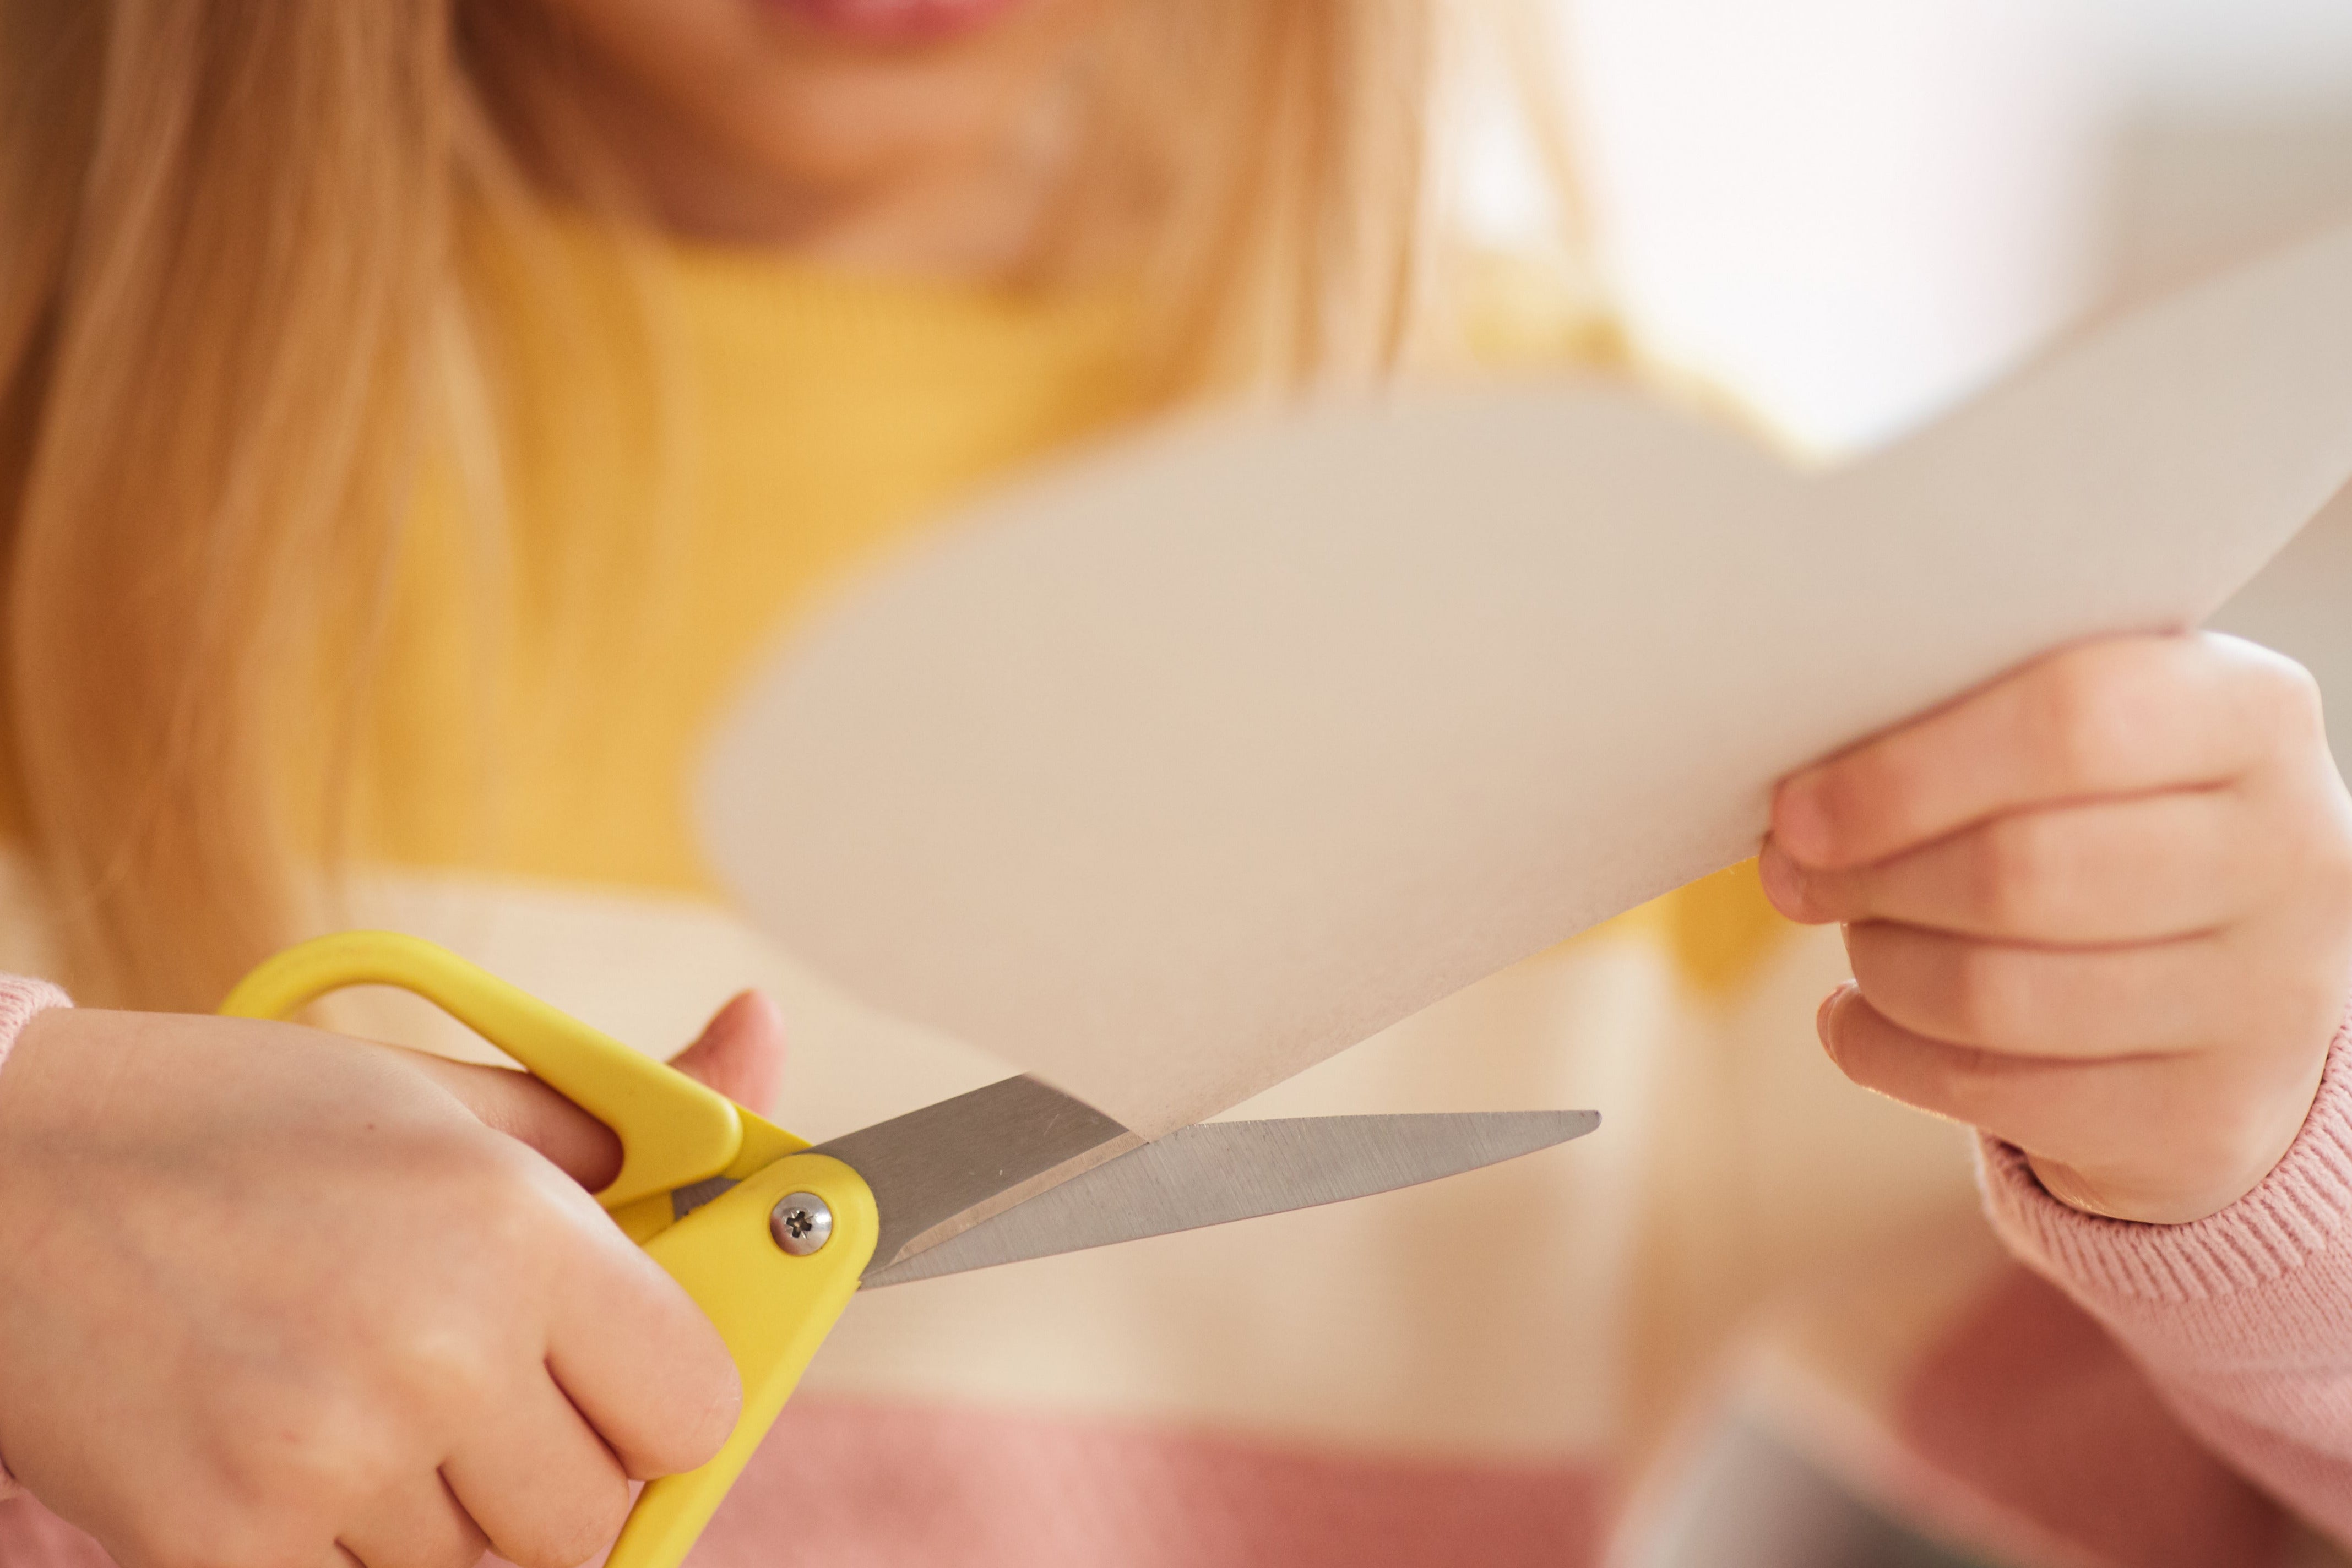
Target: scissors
<point x="772" y="1236"/>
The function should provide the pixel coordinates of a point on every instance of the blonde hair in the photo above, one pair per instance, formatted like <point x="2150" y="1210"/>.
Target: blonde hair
<point x="232" y="304"/>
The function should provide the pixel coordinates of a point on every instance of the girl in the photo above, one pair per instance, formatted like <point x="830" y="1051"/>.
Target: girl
<point x="413" y="417"/>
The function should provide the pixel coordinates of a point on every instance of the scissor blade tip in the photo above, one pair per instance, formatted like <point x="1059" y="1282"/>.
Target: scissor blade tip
<point x="1566" y="1123"/>
<point x="1560" y="1126"/>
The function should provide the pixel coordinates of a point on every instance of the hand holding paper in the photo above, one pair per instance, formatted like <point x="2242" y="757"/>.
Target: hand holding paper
<point x="1183" y="770"/>
<point x="2102" y="908"/>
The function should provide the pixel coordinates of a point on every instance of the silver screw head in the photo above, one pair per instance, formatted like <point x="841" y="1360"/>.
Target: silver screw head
<point x="800" y="1222"/>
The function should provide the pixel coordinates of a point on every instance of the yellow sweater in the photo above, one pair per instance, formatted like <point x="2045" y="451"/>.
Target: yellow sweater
<point x="550" y="679"/>
<point x="658" y="518"/>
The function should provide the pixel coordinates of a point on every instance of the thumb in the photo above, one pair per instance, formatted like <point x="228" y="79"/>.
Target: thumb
<point x="741" y="1051"/>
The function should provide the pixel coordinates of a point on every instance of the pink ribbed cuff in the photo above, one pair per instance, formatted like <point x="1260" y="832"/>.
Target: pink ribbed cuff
<point x="2301" y="1208"/>
<point x="20" y="999"/>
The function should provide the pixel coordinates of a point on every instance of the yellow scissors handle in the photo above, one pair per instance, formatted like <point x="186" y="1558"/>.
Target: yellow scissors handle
<point x="772" y="1307"/>
<point x="674" y="1132"/>
<point x="772" y="1261"/>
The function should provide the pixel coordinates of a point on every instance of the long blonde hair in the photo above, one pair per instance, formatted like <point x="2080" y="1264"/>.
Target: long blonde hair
<point x="231" y="303"/>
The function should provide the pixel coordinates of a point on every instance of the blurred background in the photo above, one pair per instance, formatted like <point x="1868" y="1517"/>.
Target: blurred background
<point x="2237" y="129"/>
<point x="1850" y="214"/>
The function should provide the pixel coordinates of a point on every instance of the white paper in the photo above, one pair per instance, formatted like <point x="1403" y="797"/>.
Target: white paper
<point x="1177" y="771"/>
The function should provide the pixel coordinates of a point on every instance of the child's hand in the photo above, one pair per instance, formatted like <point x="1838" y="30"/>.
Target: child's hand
<point x="2102" y="909"/>
<point x="276" y="1298"/>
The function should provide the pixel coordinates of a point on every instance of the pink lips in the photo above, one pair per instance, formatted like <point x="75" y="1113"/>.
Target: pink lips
<point x="894" y="21"/>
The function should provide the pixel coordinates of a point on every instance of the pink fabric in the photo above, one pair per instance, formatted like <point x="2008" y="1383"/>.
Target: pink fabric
<point x="20" y="1000"/>
<point x="2243" y="1319"/>
<point x="33" y="1537"/>
<point x="2036" y="1427"/>
<point x="891" y="1486"/>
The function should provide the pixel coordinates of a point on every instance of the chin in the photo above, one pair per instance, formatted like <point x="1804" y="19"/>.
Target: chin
<point x="889" y="22"/>
<point x="812" y="92"/>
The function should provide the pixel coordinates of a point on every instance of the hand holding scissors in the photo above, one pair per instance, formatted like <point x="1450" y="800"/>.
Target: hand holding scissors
<point x="772" y="1236"/>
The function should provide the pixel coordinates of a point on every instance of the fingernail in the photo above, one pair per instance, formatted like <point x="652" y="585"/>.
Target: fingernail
<point x="1783" y="879"/>
<point x="1801" y="817"/>
<point x="1827" y="1010"/>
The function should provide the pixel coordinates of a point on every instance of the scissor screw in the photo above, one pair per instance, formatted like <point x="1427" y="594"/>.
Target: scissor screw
<point x="800" y="1222"/>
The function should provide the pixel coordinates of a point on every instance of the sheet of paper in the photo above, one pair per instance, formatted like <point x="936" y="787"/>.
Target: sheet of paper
<point x="1177" y="771"/>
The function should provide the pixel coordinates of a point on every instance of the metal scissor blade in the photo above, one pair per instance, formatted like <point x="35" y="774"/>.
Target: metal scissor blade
<point x="1222" y="1170"/>
<point x="938" y="1171"/>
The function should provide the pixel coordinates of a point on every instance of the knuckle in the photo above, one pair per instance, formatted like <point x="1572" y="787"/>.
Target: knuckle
<point x="502" y="1199"/>
<point x="300" y="1448"/>
<point x="703" y="1414"/>
<point x="2332" y="883"/>
<point x="452" y="1348"/>
<point x="1967" y="1084"/>
<point x="2227" y="1134"/>
<point x="1971" y="1070"/>
<point x="513" y="1208"/>
<point x="1986" y="996"/>
<point x="583" y="1532"/>
<point x="2276" y="701"/>
<point x="468" y="1185"/>
<point x="450" y="1365"/>
<point x="2306" y="1005"/>
<point x="464" y="1552"/>
<point x="2009" y="872"/>
<point x="601" y="1521"/>
<point x="2289" y="693"/>
<point x="2084" y="711"/>
<point x="2282" y="733"/>
<point x="2027" y="871"/>
<point x="2334" y="850"/>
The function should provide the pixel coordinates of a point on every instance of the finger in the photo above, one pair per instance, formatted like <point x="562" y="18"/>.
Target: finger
<point x="2124" y="716"/>
<point x="2139" y="870"/>
<point x="2035" y="1101"/>
<point x="2162" y="1140"/>
<point x="523" y="1108"/>
<point x="543" y="1489"/>
<point x="417" y="1526"/>
<point x="740" y="1053"/>
<point x="2149" y="999"/>
<point x="641" y="1362"/>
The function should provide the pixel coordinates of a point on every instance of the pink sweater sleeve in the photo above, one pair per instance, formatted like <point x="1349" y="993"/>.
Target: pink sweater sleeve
<point x="20" y="999"/>
<point x="2244" y="1318"/>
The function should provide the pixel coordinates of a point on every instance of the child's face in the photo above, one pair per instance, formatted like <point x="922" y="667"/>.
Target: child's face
<point x="821" y="93"/>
